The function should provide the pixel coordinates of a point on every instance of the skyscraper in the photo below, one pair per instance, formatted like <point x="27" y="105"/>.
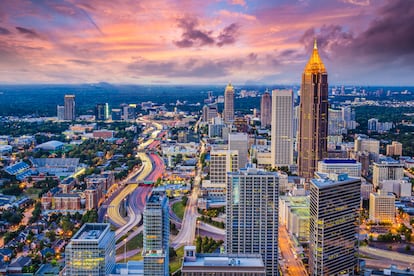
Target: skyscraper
<point x="252" y="215"/>
<point x="228" y="112"/>
<point x="91" y="251"/>
<point x="334" y="205"/>
<point x="60" y="112"/>
<point x="156" y="236"/>
<point x="221" y="162"/>
<point x="101" y="112"/>
<point x="240" y="142"/>
<point x="282" y="128"/>
<point x="70" y="114"/>
<point x="266" y="110"/>
<point x="313" y="129"/>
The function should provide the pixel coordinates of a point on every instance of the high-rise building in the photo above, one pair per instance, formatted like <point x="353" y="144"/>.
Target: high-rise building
<point x="313" y="129"/>
<point x="221" y="162"/>
<point x="240" y="142"/>
<point x="209" y="112"/>
<point x="60" y="112"/>
<point x="101" y="112"/>
<point x="91" y="251"/>
<point x="334" y="204"/>
<point x="266" y="110"/>
<point x="282" y="128"/>
<point x="336" y="126"/>
<point x="394" y="149"/>
<point x="252" y="215"/>
<point x="382" y="207"/>
<point x="388" y="169"/>
<point x="156" y="236"/>
<point x="228" y="112"/>
<point x="116" y="114"/>
<point x="70" y="114"/>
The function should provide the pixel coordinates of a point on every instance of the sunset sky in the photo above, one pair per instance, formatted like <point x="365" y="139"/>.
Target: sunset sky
<point x="365" y="42"/>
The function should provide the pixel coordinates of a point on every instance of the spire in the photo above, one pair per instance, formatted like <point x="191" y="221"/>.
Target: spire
<point x="315" y="64"/>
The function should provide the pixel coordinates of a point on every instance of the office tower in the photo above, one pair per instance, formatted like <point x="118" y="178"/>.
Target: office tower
<point x="394" y="149"/>
<point x="348" y="115"/>
<point x="156" y="236"/>
<point x="388" y="169"/>
<point x="221" y="162"/>
<point x="60" y="112"/>
<point x="382" y="207"/>
<point x="282" y="128"/>
<point x="266" y="110"/>
<point x="369" y="145"/>
<point x="240" y="142"/>
<point x="209" y="112"/>
<point x="101" y="112"/>
<point x="69" y="108"/>
<point x="313" y="129"/>
<point x="336" y="125"/>
<point x="296" y="116"/>
<point x="91" y="251"/>
<point x="334" y="205"/>
<point x="338" y="165"/>
<point x="129" y="112"/>
<point x="116" y="114"/>
<point x="252" y="215"/>
<point x="228" y="112"/>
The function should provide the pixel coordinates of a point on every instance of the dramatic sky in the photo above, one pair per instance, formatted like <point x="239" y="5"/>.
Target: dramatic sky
<point x="364" y="42"/>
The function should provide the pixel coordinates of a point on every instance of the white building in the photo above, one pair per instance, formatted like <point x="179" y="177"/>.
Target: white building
<point x="240" y="142"/>
<point x="382" y="207"/>
<point x="282" y="128"/>
<point x="221" y="162"/>
<point x="348" y="166"/>
<point x="388" y="169"/>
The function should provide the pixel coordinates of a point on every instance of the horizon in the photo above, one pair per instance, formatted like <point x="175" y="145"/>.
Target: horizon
<point x="164" y="42"/>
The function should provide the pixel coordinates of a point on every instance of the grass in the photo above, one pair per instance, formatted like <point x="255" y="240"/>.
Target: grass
<point x="133" y="244"/>
<point x="178" y="209"/>
<point x="137" y="257"/>
<point x="175" y="263"/>
<point x="33" y="193"/>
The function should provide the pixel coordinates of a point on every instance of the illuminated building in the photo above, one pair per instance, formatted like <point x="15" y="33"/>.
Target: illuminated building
<point x="282" y="128"/>
<point x="382" y="207"/>
<point x="252" y="215"/>
<point x="91" y="251"/>
<point x="156" y="236"/>
<point x="101" y="112"/>
<point x="334" y="205"/>
<point x="266" y="110"/>
<point x="228" y="112"/>
<point x="313" y="128"/>
<point x="69" y="108"/>
<point x="339" y="165"/>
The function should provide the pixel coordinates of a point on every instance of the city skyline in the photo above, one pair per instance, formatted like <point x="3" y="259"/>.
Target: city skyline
<point x="164" y="42"/>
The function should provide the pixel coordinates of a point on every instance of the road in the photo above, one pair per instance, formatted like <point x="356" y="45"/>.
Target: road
<point x="292" y="266"/>
<point x="386" y="258"/>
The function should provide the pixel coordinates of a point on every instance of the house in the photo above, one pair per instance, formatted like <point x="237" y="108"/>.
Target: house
<point x="17" y="266"/>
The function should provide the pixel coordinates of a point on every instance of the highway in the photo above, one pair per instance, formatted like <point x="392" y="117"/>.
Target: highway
<point x="386" y="258"/>
<point x="292" y="266"/>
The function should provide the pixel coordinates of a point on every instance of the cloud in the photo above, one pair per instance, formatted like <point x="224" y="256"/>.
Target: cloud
<point x="228" y="35"/>
<point x="238" y="2"/>
<point x="4" y="31"/>
<point x="192" y="36"/>
<point x="191" y="67"/>
<point x="358" y="2"/>
<point x="28" y="33"/>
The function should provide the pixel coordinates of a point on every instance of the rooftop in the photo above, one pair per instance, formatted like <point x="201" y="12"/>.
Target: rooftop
<point x="325" y="180"/>
<point x="92" y="231"/>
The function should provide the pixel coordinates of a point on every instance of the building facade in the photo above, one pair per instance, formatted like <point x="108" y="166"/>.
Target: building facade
<point x="91" y="251"/>
<point x="156" y="236"/>
<point x="338" y="165"/>
<point x="240" y="143"/>
<point x="382" y="207"/>
<point x="228" y="112"/>
<point x="69" y="114"/>
<point x="221" y="162"/>
<point x="389" y="169"/>
<point x="266" y="110"/>
<point x="313" y="128"/>
<point x="102" y="112"/>
<point x="282" y="128"/>
<point x="334" y="205"/>
<point x="252" y="215"/>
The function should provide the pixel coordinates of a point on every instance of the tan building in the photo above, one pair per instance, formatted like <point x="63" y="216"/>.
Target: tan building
<point x="387" y="170"/>
<point x="91" y="198"/>
<point x="266" y="110"/>
<point x="313" y="128"/>
<point x="228" y="112"/>
<point x="394" y="149"/>
<point x="69" y="108"/>
<point x="221" y="162"/>
<point x="67" y="202"/>
<point x="382" y="207"/>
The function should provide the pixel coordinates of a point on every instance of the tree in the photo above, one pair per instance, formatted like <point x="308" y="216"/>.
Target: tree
<point x="172" y="253"/>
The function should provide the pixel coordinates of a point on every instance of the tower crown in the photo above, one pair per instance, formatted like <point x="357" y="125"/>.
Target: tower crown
<point x="315" y="64"/>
